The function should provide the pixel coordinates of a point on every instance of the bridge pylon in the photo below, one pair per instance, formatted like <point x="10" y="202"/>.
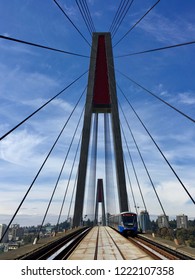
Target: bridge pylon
<point x="100" y="199"/>
<point x="101" y="98"/>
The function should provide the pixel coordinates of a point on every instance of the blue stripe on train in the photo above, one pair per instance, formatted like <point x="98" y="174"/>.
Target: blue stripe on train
<point x="120" y="228"/>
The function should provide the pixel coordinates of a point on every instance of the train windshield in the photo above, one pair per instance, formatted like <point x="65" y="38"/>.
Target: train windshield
<point x="129" y="219"/>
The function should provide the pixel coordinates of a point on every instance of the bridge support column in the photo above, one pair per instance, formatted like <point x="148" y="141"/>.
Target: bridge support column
<point x="100" y="199"/>
<point x="101" y="98"/>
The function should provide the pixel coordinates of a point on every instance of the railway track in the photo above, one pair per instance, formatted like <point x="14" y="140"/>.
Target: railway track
<point x="159" y="251"/>
<point x="59" y="249"/>
<point x="103" y="243"/>
<point x="119" y="250"/>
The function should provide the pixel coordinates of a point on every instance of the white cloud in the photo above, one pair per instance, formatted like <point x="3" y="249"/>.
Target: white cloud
<point x="187" y="98"/>
<point x="20" y="147"/>
<point x="18" y="84"/>
<point x="164" y="29"/>
<point x="71" y="11"/>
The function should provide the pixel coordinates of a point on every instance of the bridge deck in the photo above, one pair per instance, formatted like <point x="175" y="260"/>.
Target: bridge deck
<point x="103" y="243"/>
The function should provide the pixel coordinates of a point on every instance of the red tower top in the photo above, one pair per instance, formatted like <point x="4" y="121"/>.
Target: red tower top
<point x="101" y="97"/>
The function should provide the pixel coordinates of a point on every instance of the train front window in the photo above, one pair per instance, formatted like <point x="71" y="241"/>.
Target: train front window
<point x="129" y="220"/>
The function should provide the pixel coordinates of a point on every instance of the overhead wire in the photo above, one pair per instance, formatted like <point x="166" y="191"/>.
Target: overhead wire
<point x="135" y="24"/>
<point x="41" y="107"/>
<point x="40" y="169"/>
<point x="41" y="46"/>
<point x="162" y="154"/>
<point x="69" y="19"/>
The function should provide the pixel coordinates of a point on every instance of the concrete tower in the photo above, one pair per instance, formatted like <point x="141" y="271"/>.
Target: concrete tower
<point x="101" y="98"/>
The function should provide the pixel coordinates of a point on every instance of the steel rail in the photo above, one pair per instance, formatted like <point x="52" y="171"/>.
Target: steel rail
<point x="64" y="252"/>
<point x="168" y="252"/>
<point x="48" y="250"/>
<point x="122" y="255"/>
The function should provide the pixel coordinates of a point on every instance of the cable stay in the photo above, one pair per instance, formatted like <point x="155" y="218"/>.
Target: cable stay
<point x="157" y="49"/>
<point x="65" y="14"/>
<point x="135" y="173"/>
<point x="144" y="164"/>
<point x="60" y="174"/>
<point x="71" y="171"/>
<point x="71" y="200"/>
<point x="40" y="169"/>
<point x="132" y="163"/>
<point x="130" y="184"/>
<point x="84" y="10"/>
<point x="36" y="111"/>
<point x="116" y="15"/>
<point x="120" y="15"/>
<point x="172" y="169"/>
<point x="41" y="46"/>
<point x="157" y="97"/>
<point x="136" y="24"/>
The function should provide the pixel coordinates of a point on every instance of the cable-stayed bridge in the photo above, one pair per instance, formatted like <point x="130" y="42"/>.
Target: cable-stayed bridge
<point x="103" y="145"/>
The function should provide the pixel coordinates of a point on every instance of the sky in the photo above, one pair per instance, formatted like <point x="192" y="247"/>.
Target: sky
<point x="30" y="76"/>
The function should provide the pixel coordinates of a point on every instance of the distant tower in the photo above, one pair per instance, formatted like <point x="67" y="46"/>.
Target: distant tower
<point x="163" y="221"/>
<point x="145" y="221"/>
<point x="3" y="227"/>
<point x="101" y="98"/>
<point x="100" y="199"/>
<point x="182" y="221"/>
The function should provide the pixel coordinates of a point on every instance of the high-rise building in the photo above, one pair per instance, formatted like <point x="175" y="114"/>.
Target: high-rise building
<point x="145" y="221"/>
<point x="163" y="221"/>
<point x="15" y="232"/>
<point x="182" y="221"/>
<point x="2" y="230"/>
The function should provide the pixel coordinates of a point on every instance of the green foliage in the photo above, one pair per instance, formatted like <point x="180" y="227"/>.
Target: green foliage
<point x="184" y="236"/>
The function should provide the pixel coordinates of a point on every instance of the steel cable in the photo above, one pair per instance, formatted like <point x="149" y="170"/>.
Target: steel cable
<point x="136" y="24"/>
<point x="174" y="172"/>
<point x="40" y="46"/>
<point x="70" y="175"/>
<point x="144" y="164"/>
<point x="61" y="170"/>
<point x="135" y="173"/>
<point x="84" y="10"/>
<point x="157" y="97"/>
<point x="122" y="16"/>
<point x="156" y="49"/>
<point x="36" y="111"/>
<point x="65" y="14"/>
<point x="40" y="169"/>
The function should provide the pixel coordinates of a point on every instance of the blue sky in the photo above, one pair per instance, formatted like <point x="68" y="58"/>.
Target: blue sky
<point x="30" y="76"/>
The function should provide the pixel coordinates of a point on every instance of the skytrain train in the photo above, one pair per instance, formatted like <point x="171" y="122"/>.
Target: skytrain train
<point x="125" y="223"/>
